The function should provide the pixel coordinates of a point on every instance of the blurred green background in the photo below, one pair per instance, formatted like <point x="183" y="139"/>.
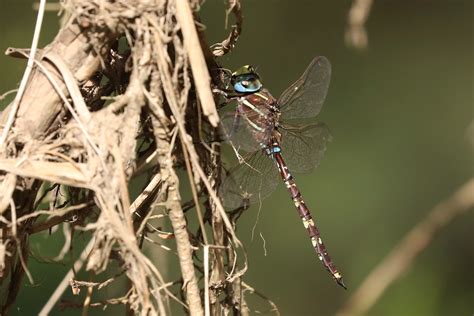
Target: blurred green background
<point x="399" y="113"/>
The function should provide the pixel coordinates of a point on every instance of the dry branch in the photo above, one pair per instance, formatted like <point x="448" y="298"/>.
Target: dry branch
<point x="74" y="128"/>
<point x="202" y="79"/>
<point x="58" y="172"/>
<point x="356" y="33"/>
<point x="26" y="76"/>
<point x="405" y="252"/>
<point x="75" y="49"/>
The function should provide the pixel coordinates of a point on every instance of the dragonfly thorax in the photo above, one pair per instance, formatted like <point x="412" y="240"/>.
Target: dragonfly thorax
<point x="260" y="111"/>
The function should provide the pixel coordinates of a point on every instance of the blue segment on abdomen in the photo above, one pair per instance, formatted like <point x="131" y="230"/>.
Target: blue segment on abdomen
<point x="276" y="149"/>
<point x="272" y="150"/>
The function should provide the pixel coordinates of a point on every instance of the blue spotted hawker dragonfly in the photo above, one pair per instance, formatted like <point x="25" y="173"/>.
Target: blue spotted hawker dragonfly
<point x="266" y="129"/>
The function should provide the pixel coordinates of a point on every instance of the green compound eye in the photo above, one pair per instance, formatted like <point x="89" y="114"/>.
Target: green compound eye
<point x="244" y="70"/>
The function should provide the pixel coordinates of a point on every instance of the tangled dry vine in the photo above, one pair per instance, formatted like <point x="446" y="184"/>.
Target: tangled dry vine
<point x="123" y="89"/>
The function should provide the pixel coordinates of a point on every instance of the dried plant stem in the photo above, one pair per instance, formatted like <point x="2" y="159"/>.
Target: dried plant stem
<point x="173" y="203"/>
<point x="356" y="34"/>
<point x="178" y="220"/>
<point x="226" y="46"/>
<point x="26" y="75"/>
<point x="273" y="306"/>
<point x="195" y="196"/>
<point x="74" y="47"/>
<point x="149" y="192"/>
<point x="90" y="147"/>
<point x="218" y="231"/>
<point x="207" y="305"/>
<point x="184" y="247"/>
<point x="66" y="280"/>
<point x="202" y="79"/>
<point x="403" y="254"/>
<point x="68" y="79"/>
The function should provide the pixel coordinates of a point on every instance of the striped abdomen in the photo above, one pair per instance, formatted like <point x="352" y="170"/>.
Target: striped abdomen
<point x="305" y="214"/>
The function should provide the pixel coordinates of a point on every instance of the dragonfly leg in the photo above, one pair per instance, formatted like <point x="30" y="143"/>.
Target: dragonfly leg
<point x="228" y="95"/>
<point x="224" y="93"/>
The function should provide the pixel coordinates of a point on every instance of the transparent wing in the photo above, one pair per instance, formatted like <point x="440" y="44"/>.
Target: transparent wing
<point x="303" y="146"/>
<point x="305" y="97"/>
<point x="236" y="129"/>
<point x="249" y="182"/>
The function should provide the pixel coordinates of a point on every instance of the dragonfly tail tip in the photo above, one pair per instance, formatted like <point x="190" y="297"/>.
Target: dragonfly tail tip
<point x="340" y="281"/>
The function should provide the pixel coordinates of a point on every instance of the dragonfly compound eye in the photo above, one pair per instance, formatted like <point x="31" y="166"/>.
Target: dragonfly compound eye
<point x="248" y="83"/>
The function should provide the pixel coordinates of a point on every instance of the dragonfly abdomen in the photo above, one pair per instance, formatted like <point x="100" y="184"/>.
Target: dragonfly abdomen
<point x="305" y="214"/>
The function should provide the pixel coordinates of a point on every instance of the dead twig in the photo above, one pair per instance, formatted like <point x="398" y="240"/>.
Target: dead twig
<point x="148" y="193"/>
<point x="356" y="34"/>
<point x="173" y="203"/>
<point x="405" y="252"/>
<point x="87" y="149"/>
<point x="58" y="172"/>
<point x="26" y="75"/>
<point x="202" y="79"/>
<point x="46" y="310"/>
<point x="226" y="46"/>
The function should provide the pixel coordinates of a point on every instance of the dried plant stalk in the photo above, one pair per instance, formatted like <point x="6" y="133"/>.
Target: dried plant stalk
<point x="89" y="107"/>
<point x="404" y="253"/>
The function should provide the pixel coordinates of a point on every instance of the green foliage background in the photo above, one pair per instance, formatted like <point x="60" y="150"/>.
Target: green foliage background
<point x="399" y="114"/>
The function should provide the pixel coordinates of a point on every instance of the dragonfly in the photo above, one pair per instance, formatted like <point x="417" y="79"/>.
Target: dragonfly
<point x="266" y="129"/>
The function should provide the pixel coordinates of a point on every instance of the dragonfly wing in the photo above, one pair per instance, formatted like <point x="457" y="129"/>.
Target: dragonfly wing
<point x="305" y="97"/>
<point x="235" y="129"/>
<point x="303" y="146"/>
<point x="242" y="132"/>
<point x="249" y="182"/>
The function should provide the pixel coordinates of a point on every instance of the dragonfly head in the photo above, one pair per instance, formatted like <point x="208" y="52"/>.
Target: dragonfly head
<point x="246" y="80"/>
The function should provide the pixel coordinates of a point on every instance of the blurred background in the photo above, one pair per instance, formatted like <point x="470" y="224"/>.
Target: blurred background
<point x="399" y="112"/>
